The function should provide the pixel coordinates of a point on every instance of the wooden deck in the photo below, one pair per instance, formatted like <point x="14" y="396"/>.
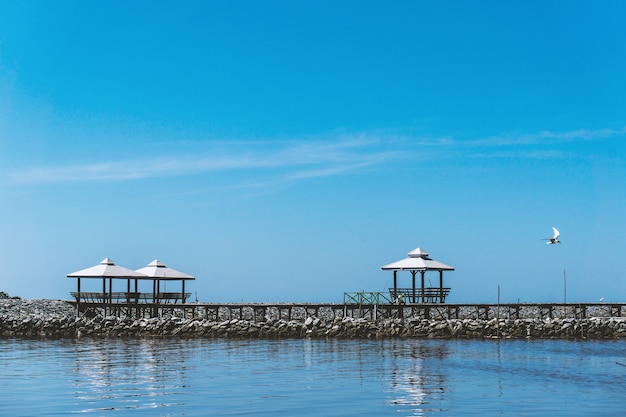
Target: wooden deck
<point x="260" y="312"/>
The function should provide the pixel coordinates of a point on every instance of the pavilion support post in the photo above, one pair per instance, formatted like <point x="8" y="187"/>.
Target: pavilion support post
<point x="154" y="297"/>
<point x="440" y="286"/>
<point x="128" y="305"/>
<point x="422" y="274"/>
<point x="183" y="291"/>
<point x="78" y="298"/>
<point x="157" y="299"/>
<point x="110" y="294"/>
<point x="136" y="298"/>
<point x="104" y="292"/>
<point x="395" y="282"/>
<point x="413" y="276"/>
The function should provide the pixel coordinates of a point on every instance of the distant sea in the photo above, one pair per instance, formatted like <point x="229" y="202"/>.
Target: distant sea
<point x="208" y="377"/>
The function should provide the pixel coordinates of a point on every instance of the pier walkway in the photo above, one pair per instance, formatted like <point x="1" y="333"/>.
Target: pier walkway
<point x="260" y="312"/>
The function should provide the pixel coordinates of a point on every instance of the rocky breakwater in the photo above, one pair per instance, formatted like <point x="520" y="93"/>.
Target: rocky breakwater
<point x="57" y="319"/>
<point x="36" y="318"/>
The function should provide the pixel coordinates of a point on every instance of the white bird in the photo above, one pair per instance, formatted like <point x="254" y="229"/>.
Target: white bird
<point x="555" y="238"/>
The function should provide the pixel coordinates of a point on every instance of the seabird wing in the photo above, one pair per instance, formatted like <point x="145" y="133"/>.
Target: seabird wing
<point x="556" y="233"/>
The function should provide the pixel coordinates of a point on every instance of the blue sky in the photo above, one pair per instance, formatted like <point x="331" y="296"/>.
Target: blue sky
<point x="285" y="151"/>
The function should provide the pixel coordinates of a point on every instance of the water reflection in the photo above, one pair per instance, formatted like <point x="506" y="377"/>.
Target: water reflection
<point x="414" y="377"/>
<point x="310" y="377"/>
<point x="410" y="370"/>
<point x="128" y="374"/>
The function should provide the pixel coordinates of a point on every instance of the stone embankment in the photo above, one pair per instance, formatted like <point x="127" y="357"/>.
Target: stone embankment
<point x="57" y="319"/>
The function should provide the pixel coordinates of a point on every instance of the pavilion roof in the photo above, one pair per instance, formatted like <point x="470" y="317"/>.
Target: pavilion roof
<point x="417" y="260"/>
<point x="106" y="269"/>
<point x="158" y="270"/>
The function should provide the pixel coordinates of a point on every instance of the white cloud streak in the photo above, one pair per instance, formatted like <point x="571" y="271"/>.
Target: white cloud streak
<point x="542" y="138"/>
<point x="295" y="161"/>
<point x="291" y="161"/>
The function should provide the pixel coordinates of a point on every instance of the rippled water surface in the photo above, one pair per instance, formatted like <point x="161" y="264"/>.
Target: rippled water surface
<point x="204" y="377"/>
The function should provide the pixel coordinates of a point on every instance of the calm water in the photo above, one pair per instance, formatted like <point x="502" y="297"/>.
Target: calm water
<point x="317" y="378"/>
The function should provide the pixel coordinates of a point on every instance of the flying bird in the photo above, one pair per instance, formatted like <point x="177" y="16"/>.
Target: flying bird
<point x="554" y="239"/>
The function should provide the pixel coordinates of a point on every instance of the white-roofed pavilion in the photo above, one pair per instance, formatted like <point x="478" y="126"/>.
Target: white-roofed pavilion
<point x="110" y="300"/>
<point x="158" y="271"/>
<point x="419" y="261"/>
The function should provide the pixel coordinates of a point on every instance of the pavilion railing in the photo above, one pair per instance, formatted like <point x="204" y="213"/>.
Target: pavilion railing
<point x="428" y="295"/>
<point x="366" y="298"/>
<point x="130" y="297"/>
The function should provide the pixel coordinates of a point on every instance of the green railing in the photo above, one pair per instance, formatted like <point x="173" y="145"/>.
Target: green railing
<point x="366" y="298"/>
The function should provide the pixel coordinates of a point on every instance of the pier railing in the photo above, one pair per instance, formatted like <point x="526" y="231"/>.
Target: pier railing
<point x="366" y="298"/>
<point x="359" y="305"/>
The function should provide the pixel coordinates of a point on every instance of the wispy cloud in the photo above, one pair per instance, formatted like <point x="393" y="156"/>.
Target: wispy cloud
<point x="282" y="162"/>
<point x="541" y="138"/>
<point x="295" y="160"/>
<point x="540" y="145"/>
<point x="256" y="186"/>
